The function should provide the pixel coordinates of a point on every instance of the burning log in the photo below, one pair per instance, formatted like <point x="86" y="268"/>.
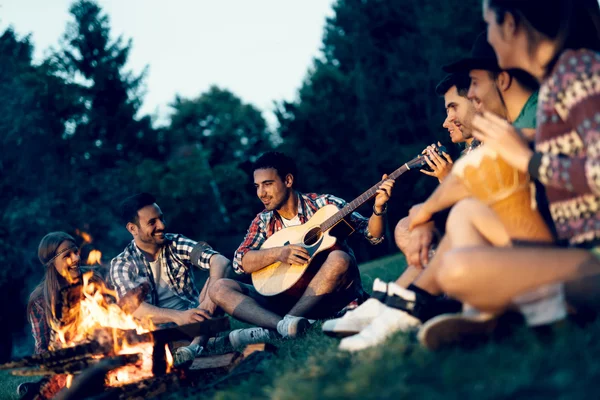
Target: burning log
<point x="50" y="358"/>
<point x="73" y="367"/>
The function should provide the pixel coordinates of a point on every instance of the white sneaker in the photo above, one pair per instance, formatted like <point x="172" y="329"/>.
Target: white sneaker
<point x="390" y="321"/>
<point x="291" y="326"/>
<point x="242" y="337"/>
<point x="356" y="320"/>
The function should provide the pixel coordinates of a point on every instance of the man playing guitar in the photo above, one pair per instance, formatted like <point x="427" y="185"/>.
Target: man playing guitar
<point x="331" y="282"/>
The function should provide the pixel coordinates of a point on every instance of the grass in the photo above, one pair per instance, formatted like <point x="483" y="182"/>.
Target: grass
<point x="566" y="367"/>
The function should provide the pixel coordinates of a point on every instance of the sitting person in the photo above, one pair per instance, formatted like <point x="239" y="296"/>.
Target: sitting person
<point x="418" y="244"/>
<point x="319" y="294"/>
<point x="59" y="255"/>
<point x="492" y="181"/>
<point x="564" y="55"/>
<point x="164" y="262"/>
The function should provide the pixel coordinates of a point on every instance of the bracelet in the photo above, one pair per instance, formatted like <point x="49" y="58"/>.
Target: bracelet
<point x="381" y="213"/>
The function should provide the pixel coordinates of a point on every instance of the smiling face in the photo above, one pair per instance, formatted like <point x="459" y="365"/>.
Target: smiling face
<point x="67" y="264"/>
<point x="484" y="92"/>
<point x="272" y="191"/>
<point x="150" y="230"/>
<point x="459" y="114"/>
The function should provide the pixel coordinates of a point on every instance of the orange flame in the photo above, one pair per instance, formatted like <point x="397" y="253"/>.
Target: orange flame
<point x="94" y="257"/>
<point x="87" y="238"/>
<point x="95" y="314"/>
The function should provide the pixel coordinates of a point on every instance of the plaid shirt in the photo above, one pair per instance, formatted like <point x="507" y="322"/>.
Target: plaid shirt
<point x="268" y="222"/>
<point x="131" y="269"/>
<point x="39" y="325"/>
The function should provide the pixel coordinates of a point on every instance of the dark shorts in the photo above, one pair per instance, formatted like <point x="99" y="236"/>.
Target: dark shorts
<point x="327" y="307"/>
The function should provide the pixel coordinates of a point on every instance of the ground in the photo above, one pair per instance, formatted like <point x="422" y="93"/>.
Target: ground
<point x="564" y="366"/>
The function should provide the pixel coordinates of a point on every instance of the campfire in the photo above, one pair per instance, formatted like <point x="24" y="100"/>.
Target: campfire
<point x="95" y="331"/>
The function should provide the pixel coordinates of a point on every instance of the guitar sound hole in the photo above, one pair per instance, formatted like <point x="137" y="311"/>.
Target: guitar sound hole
<point x="312" y="236"/>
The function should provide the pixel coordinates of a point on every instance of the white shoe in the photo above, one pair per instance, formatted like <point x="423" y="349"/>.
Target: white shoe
<point x="356" y="320"/>
<point x="449" y="329"/>
<point x="291" y="326"/>
<point x="390" y="321"/>
<point x="242" y="337"/>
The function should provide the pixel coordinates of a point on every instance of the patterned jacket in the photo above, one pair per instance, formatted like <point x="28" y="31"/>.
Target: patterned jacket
<point x="567" y="158"/>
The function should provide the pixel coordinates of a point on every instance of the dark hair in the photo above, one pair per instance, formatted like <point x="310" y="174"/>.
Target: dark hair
<point x="283" y="164"/>
<point x="574" y="24"/>
<point x="460" y="80"/>
<point x="131" y="205"/>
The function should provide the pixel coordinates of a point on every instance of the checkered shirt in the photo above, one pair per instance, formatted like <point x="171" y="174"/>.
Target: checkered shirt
<point x="131" y="269"/>
<point x="267" y="223"/>
<point x="39" y="326"/>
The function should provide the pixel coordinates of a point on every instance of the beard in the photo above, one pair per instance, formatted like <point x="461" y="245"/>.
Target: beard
<point x="153" y="238"/>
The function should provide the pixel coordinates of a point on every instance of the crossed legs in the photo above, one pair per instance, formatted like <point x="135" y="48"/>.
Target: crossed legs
<point x="243" y="303"/>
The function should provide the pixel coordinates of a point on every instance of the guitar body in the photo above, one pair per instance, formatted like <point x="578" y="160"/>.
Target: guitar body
<point x="279" y="277"/>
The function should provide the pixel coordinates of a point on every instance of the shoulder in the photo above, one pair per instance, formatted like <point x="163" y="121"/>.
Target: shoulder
<point x="572" y="66"/>
<point x="574" y="78"/>
<point x="178" y="239"/>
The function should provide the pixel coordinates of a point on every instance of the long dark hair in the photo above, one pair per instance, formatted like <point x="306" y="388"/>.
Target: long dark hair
<point x="52" y="281"/>
<point x="573" y="24"/>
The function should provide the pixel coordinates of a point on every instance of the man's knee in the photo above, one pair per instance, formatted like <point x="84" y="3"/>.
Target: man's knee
<point x="402" y="234"/>
<point x="219" y="290"/>
<point x="337" y="263"/>
<point x="453" y="275"/>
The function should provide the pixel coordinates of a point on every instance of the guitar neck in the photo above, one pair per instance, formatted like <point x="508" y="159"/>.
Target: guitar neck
<point x="359" y="201"/>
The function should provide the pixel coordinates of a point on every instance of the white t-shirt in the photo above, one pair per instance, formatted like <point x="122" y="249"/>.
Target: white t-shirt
<point x="291" y="222"/>
<point x="166" y="297"/>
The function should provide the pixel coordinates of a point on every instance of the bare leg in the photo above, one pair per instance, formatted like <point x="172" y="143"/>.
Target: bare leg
<point x="490" y="278"/>
<point x="472" y="223"/>
<point x="332" y="275"/>
<point x="233" y="298"/>
<point x="409" y="275"/>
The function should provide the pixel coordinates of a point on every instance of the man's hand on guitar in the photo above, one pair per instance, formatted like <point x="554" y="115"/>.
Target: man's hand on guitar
<point x="383" y="194"/>
<point x="294" y="254"/>
<point x="440" y="166"/>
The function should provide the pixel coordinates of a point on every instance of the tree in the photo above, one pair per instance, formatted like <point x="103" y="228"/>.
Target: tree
<point x="368" y="104"/>
<point x="109" y="130"/>
<point x="219" y="136"/>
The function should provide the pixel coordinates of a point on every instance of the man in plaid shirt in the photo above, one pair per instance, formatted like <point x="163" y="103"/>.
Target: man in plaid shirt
<point x="335" y="284"/>
<point x="163" y="263"/>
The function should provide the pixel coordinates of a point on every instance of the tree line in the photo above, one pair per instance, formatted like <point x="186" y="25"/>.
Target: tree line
<point x="74" y="144"/>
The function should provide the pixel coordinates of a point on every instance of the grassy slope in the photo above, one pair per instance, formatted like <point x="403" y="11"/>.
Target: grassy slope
<point x="312" y="367"/>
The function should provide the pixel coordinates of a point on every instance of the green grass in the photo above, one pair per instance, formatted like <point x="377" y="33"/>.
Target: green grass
<point x="311" y="367"/>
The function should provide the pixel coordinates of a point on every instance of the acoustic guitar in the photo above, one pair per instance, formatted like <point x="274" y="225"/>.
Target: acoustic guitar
<point x="315" y="236"/>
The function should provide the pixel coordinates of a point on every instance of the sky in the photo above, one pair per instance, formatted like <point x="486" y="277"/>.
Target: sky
<point x="261" y="50"/>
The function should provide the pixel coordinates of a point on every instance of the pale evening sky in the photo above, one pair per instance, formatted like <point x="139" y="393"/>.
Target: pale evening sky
<point x="260" y="50"/>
